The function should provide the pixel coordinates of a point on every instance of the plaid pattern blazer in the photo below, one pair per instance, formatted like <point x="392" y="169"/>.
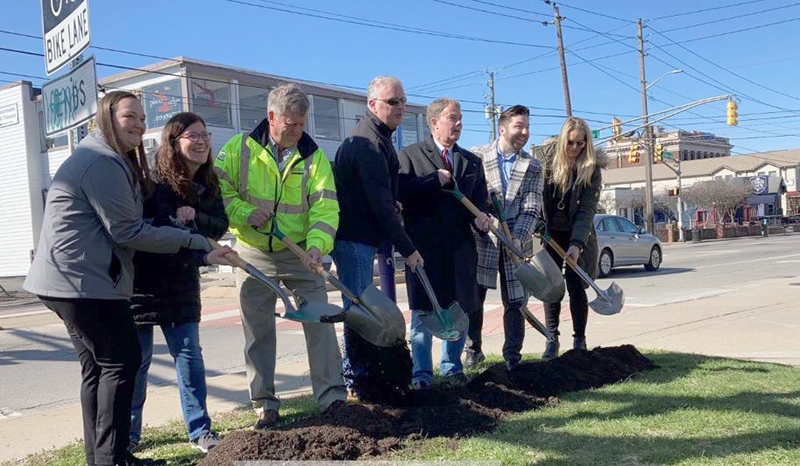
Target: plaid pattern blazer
<point x="522" y="205"/>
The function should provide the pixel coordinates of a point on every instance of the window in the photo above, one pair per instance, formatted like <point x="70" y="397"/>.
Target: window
<point x="212" y="101"/>
<point x="610" y="224"/>
<point x="409" y="129"/>
<point x="161" y="102"/>
<point x="326" y="118"/>
<point x="54" y="142"/>
<point x="252" y="106"/>
<point x="627" y="226"/>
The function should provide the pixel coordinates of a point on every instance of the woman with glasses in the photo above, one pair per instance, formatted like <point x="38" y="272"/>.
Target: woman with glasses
<point x="167" y="287"/>
<point x="83" y="268"/>
<point x="571" y="191"/>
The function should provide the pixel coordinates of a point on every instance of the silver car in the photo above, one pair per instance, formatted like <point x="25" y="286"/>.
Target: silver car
<point x="620" y="242"/>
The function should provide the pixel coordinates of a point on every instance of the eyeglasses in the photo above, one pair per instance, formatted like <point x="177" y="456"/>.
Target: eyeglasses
<point x="194" y="137"/>
<point x="394" y="101"/>
<point x="576" y="143"/>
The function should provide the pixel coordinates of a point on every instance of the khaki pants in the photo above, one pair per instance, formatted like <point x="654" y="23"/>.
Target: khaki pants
<point x="257" y="308"/>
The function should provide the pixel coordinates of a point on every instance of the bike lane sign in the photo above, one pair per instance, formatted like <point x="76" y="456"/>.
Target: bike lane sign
<point x="70" y="100"/>
<point x="66" y="31"/>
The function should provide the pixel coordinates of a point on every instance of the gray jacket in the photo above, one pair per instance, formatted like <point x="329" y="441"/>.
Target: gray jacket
<point x="92" y="226"/>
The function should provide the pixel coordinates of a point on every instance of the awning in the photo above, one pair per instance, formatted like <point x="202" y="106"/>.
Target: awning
<point x="793" y="193"/>
<point x="762" y="199"/>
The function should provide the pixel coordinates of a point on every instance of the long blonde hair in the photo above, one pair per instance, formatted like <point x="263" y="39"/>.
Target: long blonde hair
<point x="561" y="166"/>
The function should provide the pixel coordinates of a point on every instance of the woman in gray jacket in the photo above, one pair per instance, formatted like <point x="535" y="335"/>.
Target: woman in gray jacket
<point x="83" y="268"/>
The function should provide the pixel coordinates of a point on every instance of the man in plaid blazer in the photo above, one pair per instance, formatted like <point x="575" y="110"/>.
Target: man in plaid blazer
<point x="517" y="178"/>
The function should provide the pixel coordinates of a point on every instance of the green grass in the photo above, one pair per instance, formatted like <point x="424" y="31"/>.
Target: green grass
<point x="692" y="410"/>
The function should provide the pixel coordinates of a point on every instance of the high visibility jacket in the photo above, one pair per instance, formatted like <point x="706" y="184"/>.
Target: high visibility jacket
<point x="301" y="197"/>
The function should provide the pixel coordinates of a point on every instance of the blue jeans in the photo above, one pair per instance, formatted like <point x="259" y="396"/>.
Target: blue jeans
<point x="421" y="342"/>
<point x="183" y="341"/>
<point x="354" y="262"/>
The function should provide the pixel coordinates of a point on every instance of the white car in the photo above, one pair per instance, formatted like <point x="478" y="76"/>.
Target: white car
<point x="620" y="243"/>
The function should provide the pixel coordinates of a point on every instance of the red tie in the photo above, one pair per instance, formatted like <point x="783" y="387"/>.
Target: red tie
<point x="446" y="161"/>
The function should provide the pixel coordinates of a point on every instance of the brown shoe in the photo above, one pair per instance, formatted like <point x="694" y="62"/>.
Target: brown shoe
<point x="266" y="419"/>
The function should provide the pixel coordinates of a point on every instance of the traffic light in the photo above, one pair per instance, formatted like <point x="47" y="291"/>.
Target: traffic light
<point x="733" y="114"/>
<point x="616" y="127"/>
<point x="658" y="155"/>
<point x="633" y="156"/>
<point x="673" y="192"/>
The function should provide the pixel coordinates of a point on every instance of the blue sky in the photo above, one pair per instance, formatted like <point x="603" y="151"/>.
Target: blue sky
<point x="256" y="34"/>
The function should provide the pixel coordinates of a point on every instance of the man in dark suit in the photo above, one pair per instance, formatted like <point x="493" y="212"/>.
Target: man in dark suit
<point x="441" y="228"/>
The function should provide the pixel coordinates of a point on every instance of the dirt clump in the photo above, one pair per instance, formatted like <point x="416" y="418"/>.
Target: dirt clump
<point x="369" y="430"/>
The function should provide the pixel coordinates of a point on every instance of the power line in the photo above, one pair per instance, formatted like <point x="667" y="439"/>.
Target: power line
<point x="740" y="30"/>
<point x="521" y="10"/>
<point x="377" y="24"/>
<point x="731" y="17"/>
<point x="597" y="13"/>
<point x="705" y="10"/>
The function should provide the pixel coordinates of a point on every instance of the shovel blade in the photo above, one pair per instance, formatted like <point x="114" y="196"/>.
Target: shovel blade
<point x="376" y="318"/>
<point x="610" y="302"/>
<point x="446" y="324"/>
<point x="315" y="311"/>
<point x="542" y="278"/>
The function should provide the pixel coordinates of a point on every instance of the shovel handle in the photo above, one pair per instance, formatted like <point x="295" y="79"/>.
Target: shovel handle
<point x="426" y="284"/>
<point x="302" y="254"/>
<point x="501" y="215"/>
<point x="575" y="267"/>
<point x="503" y="239"/>
<point x="234" y="259"/>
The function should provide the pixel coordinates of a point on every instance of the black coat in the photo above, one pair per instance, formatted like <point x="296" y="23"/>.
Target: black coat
<point x="166" y="287"/>
<point x="366" y="171"/>
<point x="439" y="225"/>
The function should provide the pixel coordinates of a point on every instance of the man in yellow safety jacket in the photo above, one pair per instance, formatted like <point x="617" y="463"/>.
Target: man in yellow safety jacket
<point x="277" y="174"/>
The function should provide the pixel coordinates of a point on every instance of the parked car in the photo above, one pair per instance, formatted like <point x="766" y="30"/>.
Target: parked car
<point x="620" y="243"/>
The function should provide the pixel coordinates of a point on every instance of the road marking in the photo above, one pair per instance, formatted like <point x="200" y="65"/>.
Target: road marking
<point x="6" y="413"/>
<point x="745" y="262"/>
<point x="25" y="314"/>
<point x="789" y="262"/>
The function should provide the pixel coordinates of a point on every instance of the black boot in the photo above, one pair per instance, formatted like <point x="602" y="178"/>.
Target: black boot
<point x="579" y="343"/>
<point x="551" y="349"/>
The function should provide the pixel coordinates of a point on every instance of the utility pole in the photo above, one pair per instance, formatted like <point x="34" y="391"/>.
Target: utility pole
<point x="564" y="78"/>
<point x="493" y="109"/>
<point x="680" y="201"/>
<point x="648" y="139"/>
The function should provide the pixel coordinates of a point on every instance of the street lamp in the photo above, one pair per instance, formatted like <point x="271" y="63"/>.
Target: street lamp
<point x="662" y="77"/>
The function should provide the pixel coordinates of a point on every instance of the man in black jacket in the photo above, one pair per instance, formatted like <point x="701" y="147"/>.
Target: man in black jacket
<point x="366" y="170"/>
<point x="442" y="230"/>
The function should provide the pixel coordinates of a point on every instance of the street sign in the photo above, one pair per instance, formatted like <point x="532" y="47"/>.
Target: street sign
<point x="70" y="100"/>
<point x="66" y="31"/>
<point x="595" y="133"/>
<point x="668" y="155"/>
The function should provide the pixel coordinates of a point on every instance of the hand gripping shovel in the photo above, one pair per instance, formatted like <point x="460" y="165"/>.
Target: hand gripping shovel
<point x="608" y="301"/>
<point x="542" y="277"/>
<point x="448" y="324"/>
<point x="372" y="314"/>
<point x="308" y="312"/>
<point x="532" y="320"/>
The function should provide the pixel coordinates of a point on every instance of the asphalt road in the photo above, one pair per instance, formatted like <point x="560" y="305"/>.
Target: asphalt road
<point x="39" y="371"/>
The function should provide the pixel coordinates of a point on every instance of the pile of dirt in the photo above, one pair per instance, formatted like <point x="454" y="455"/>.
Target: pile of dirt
<point x="368" y="430"/>
<point x="383" y="375"/>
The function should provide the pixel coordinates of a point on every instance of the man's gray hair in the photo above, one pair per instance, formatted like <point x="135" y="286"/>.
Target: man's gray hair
<point x="287" y="97"/>
<point x="436" y="107"/>
<point x="381" y="81"/>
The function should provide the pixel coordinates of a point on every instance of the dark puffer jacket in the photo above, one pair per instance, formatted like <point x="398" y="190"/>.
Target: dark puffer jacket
<point x="166" y="287"/>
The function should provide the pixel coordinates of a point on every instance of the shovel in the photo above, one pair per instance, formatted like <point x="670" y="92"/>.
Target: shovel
<point x="447" y="324"/>
<point x="542" y="277"/>
<point x="526" y="313"/>
<point x="309" y="311"/>
<point x="372" y="314"/>
<point x="609" y="301"/>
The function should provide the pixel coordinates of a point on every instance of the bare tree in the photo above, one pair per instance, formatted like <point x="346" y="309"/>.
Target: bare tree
<point x="724" y="196"/>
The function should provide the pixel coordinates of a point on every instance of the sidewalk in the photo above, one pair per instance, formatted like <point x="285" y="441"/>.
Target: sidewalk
<point x="743" y="324"/>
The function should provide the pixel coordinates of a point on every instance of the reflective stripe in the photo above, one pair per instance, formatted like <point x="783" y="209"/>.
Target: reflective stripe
<point x="324" y="227"/>
<point x="244" y="167"/>
<point x="304" y="183"/>
<point x="260" y="203"/>
<point x="223" y="176"/>
<point x="322" y="194"/>
<point x="291" y="209"/>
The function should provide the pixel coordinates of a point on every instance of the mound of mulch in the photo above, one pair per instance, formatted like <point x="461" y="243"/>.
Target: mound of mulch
<point x="369" y="430"/>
